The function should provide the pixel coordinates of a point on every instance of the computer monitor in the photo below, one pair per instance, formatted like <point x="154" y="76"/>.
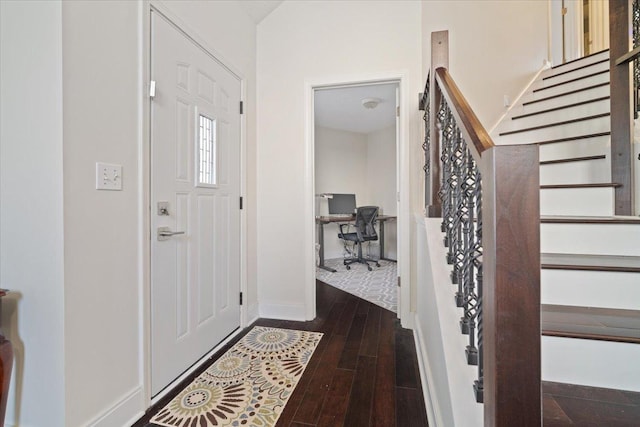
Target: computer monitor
<point x="341" y="204"/>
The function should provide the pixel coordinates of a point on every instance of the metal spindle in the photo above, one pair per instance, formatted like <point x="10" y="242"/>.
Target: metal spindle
<point x="461" y="196"/>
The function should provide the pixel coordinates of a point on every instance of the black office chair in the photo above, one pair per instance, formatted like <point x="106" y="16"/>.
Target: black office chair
<point x="365" y="231"/>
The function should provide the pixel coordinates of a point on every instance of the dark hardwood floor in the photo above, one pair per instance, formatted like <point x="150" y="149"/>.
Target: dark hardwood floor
<point x="365" y="373"/>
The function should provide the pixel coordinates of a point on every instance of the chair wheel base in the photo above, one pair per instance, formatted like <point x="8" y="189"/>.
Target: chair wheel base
<point x="369" y="268"/>
<point x="377" y="264"/>
<point x="348" y="267"/>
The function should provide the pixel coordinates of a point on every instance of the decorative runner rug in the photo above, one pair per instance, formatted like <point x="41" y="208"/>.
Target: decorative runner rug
<point x="248" y="385"/>
<point x="379" y="286"/>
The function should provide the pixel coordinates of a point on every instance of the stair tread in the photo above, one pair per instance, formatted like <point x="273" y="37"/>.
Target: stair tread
<point x="553" y="261"/>
<point x="563" y="107"/>
<point x="562" y="73"/>
<point x="572" y="138"/>
<point x="590" y="323"/>
<point x="571" y="92"/>
<point x="591" y="185"/>
<point x="554" y="219"/>
<point x="555" y="67"/>
<point x="548" y="125"/>
<point x="573" y="159"/>
<point x="577" y="79"/>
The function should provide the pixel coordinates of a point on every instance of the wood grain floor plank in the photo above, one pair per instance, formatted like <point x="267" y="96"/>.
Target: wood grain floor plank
<point x="371" y="334"/>
<point x="410" y="412"/>
<point x="406" y="361"/>
<point x="359" y="410"/>
<point x="384" y="395"/>
<point x="349" y="357"/>
<point x="309" y="409"/>
<point x="336" y="404"/>
<point x="344" y="323"/>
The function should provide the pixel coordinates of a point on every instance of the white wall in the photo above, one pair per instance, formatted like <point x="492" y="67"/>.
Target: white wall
<point x="31" y="211"/>
<point x="495" y="47"/>
<point x="296" y="45"/>
<point x="381" y="182"/>
<point x="102" y="259"/>
<point x="446" y="377"/>
<point x="340" y="167"/>
<point x="362" y="164"/>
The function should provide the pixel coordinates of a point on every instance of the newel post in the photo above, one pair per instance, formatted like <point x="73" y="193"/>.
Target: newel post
<point x="621" y="106"/>
<point x="511" y="292"/>
<point x="439" y="58"/>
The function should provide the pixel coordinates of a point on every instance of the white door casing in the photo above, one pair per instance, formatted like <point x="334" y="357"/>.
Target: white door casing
<point x="195" y="276"/>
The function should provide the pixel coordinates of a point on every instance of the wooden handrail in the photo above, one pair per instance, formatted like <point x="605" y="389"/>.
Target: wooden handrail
<point x="470" y="126"/>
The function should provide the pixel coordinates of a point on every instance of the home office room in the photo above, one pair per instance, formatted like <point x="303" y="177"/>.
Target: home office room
<point x="355" y="187"/>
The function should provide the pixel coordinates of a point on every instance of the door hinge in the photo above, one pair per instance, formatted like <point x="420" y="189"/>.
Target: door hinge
<point x="241" y="107"/>
<point x="399" y="285"/>
<point x="240" y="298"/>
<point x="152" y="89"/>
<point x="398" y="111"/>
<point x="240" y="202"/>
<point x="564" y="11"/>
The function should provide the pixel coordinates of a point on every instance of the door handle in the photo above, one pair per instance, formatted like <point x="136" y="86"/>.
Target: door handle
<point x="164" y="233"/>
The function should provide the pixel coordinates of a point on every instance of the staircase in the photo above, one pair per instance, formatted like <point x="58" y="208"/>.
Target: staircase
<point x="590" y="258"/>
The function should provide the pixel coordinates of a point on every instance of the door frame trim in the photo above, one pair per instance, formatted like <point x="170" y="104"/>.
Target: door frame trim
<point x="402" y="182"/>
<point x="144" y="180"/>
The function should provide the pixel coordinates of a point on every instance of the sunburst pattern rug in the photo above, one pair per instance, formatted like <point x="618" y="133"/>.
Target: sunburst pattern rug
<point x="248" y="386"/>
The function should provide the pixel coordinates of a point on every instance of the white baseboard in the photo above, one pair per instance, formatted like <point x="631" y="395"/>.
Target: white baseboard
<point x="124" y="412"/>
<point x="294" y="312"/>
<point x="253" y="313"/>
<point x="430" y="396"/>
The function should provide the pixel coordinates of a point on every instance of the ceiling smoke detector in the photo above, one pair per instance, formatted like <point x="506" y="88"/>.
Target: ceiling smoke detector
<point x="370" y="103"/>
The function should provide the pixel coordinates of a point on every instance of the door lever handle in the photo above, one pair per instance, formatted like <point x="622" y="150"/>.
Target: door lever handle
<point x="164" y="233"/>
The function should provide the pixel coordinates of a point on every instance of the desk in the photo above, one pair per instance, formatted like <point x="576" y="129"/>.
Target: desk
<point x="322" y="220"/>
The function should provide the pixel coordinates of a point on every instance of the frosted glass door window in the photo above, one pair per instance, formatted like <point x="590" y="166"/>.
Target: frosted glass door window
<point x="207" y="170"/>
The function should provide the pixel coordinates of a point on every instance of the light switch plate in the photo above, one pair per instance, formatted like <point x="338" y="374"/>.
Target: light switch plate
<point x="108" y="176"/>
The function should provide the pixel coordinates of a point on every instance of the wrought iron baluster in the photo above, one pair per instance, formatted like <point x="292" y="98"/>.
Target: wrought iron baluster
<point x="478" y="385"/>
<point x="426" y="144"/>
<point x="461" y="196"/>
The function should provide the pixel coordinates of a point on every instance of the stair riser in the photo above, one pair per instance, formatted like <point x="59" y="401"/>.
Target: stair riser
<point x="568" y="87"/>
<point x="581" y="172"/>
<point x="595" y="68"/>
<point x="578" y="148"/>
<point x="602" y="124"/>
<point x="586" y="95"/>
<point x="576" y="64"/>
<point x="577" y="201"/>
<point x="564" y="114"/>
<point x="607" y="289"/>
<point x="592" y="363"/>
<point x="590" y="239"/>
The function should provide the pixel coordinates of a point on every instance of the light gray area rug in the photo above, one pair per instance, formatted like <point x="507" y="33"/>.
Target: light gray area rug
<point x="379" y="286"/>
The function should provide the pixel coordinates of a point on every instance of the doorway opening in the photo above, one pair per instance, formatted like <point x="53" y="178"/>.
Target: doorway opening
<point x="356" y="164"/>
<point x="578" y="28"/>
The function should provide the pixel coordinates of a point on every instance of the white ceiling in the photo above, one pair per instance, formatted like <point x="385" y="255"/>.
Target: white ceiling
<point x="342" y="109"/>
<point x="259" y="9"/>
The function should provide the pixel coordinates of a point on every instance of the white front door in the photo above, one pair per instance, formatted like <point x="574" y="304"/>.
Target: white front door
<point x="195" y="191"/>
